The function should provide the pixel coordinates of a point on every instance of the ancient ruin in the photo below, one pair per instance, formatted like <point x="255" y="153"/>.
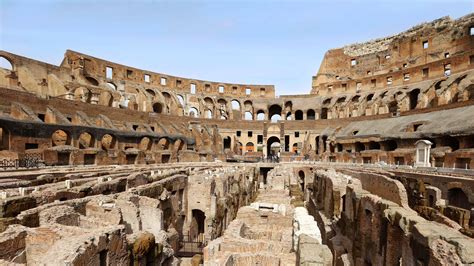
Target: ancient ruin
<point x="107" y="164"/>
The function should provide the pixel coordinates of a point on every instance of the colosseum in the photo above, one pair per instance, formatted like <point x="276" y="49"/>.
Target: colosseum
<point x="107" y="164"/>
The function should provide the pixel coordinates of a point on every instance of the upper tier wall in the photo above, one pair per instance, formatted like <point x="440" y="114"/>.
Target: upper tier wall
<point x="97" y="68"/>
<point x="427" y="51"/>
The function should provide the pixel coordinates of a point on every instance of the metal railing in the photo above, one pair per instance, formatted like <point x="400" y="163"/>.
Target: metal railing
<point x="30" y="160"/>
<point x="191" y="246"/>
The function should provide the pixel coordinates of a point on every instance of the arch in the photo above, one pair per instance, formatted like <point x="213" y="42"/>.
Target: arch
<point x="83" y="94"/>
<point x="369" y="97"/>
<point x="289" y="106"/>
<point x="178" y="145"/>
<point x="209" y="102"/>
<point x="248" y="105"/>
<point x="324" y="113"/>
<point x="457" y="197"/>
<point x="393" y="107"/>
<point x="390" y="145"/>
<point x="295" y="148"/>
<point x="310" y="114"/>
<point x="145" y="144"/>
<point x="111" y="85"/>
<point x="86" y="140"/>
<point x="239" y="148"/>
<point x="6" y="63"/>
<point x="227" y="143"/>
<point x="60" y="138"/>
<point x="92" y="81"/>
<point x="108" y="142"/>
<point x="273" y="146"/>
<point x="324" y="139"/>
<point x="355" y="98"/>
<point x="413" y="98"/>
<point x="449" y="141"/>
<point x="301" y="176"/>
<point x="260" y="115"/>
<point x="274" y="110"/>
<point x="299" y="115"/>
<point x="193" y="112"/>
<point x="208" y="114"/>
<point x="235" y="105"/>
<point x="4" y="139"/>
<point x="180" y="99"/>
<point x="151" y="92"/>
<point x="316" y="140"/>
<point x="275" y="118"/>
<point x="158" y="108"/>
<point x="163" y="144"/>
<point x="249" y="147"/>
<point x="359" y="147"/>
<point x="106" y="98"/>
<point x="248" y="115"/>
<point x="374" y="145"/>
<point x="196" y="230"/>
<point x="341" y="99"/>
<point x="327" y="101"/>
<point x="289" y="116"/>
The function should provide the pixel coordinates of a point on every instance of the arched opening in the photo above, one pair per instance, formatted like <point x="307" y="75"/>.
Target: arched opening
<point x="86" y="140"/>
<point x="260" y="115"/>
<point x="145" y="144"/>
<point x="295" y="148"/>
<point x="457" y="198"/>
<point x="327" y="101"/>
<point x="111" y="86"/>
<point x="273" y="146"/>
<point x="248" y="116"/>
<point x="196" y="230"/>
<point x="449" y="141"/>
<point x="301" y="176"/>
<point x="413" y="97"/>
<point x="275" y="112"/>
<point x="359" y="147"/>
<point x="249" y="147"/>
<point x="324" y="139"/>
<point x="208" y="114"/>
<point x="374" y="145"/>
<point x="227" y="143"/>
<point x="151" y="93"/>
<point x="193" y="112"/>
<point x="92" y="81"/>
<point x="311" y="114"/>
<point x="157" y="108"/>
<point x="108" y="142"/>
<point x="4" y="139"/>
<point x="389" y="145"/>
<point x="355" y="99"/>
<point x="235" y="105"/>
<point x="239" y="148"/>
<point x="5" y="63"/>
<point x="369" y="97"/>
<point x="393" y="107"/>
<point x="60" y="138"/>
<point x="82" y="94"/>
<point x="470" y="92"/>
<point x="163" y="144"/>
<point x="180" y="99"/>
<point x="324" y="113"/>
<point x="299" y="115"/>
<point x="289" y="116"/>
<point x="317" y="144"/>
<point x="275" y="118"/>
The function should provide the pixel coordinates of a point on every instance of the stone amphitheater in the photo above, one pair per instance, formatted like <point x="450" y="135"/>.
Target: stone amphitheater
<point x="107" y="164"/>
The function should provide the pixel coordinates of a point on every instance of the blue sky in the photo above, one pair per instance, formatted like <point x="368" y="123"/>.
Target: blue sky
<point x="257" y="42"/>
